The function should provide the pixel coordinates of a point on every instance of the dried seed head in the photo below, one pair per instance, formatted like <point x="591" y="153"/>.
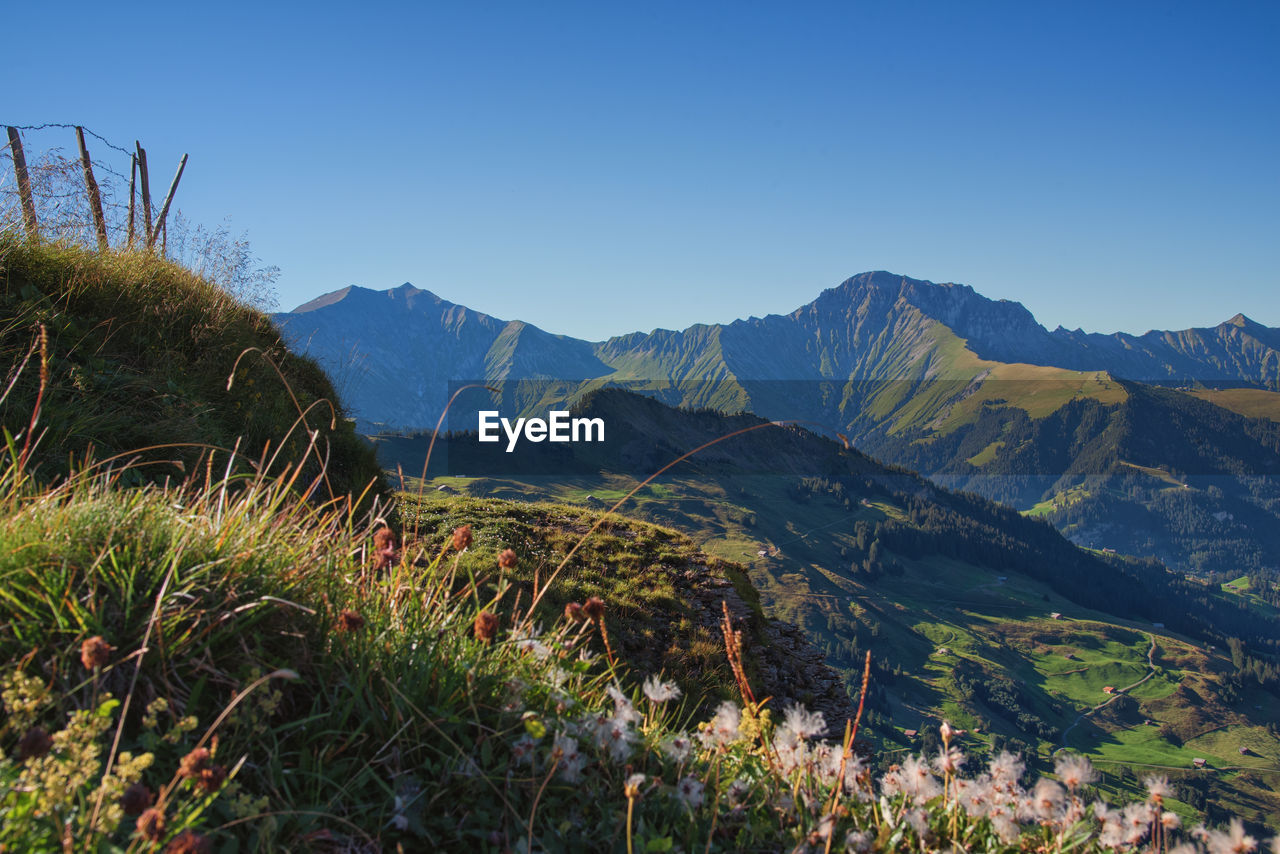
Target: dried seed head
<point x="34" y="744"/>
<point x="194" y="763"/>
<point x="573" y="612"/>
<point x="350" y="621"/>
<point x="594" y="608"/>
<point x="462" y="538"/>
<point x="486" y="626"/>
<point x="136" y="799"/>
<point x="95" y="652"/>
<point x="188" y="842"/>
<point x="212" y="778"/>
<point x="151" y="825"/>
<point x="507" y="560"/>
<point x="386" y="546"/>
<point x="385" y="538"/>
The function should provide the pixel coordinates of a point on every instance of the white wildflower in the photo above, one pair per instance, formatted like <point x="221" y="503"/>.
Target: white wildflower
<point x="689" y="790"/>
<point x="1233" y="841"/>
<point x="676" y="746"/>
<point x="948" y="761"/>
<point x="804" y="723"/>
<point x="1157" y="788"/>
<point x="1046" y="799"/>
<point x="917" y="780"/>
<point x="858" y="841"/>
<point x="623" y="708"/>
<point x="660" y="692"/>
<point x="1074" y="771"/>
<point x="722" y="729"/>
<point x="522" y="750"/>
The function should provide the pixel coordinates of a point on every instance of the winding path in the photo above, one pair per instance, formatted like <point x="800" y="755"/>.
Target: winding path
<point x="1151" y="671"/>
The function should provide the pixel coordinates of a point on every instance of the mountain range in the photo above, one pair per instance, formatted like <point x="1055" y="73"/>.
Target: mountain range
<point x="1164" y="444"/>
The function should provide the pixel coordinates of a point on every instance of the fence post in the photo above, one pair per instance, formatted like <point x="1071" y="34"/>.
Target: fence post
<point x="91" y="187"/>
<point x="24" y="185"/>
<point x="146" y="190"/>
<point x="133" y="174"/>
<point x="164" y="209"/>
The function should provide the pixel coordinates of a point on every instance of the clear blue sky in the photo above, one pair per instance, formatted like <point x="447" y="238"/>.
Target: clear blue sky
<point x="597" y="168"/>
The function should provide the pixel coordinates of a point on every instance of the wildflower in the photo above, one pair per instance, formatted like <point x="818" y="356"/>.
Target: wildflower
<point x="1157" y="788"/>
<point x="188" y="842"/>
<point x="95" y="653"/>
<point x="573" y="612"/>
<point x="151" y="825"/>
<point x="1005" y="768"/>
<point x="486" y="626"/>
<point x="194" y="763"/>
<point x="738" y="790"/>
<point x="676" y="746"/>
<point x="522" y="750"/>
<point x="689" y="790"/>
<point x="919" y="821"/>
<point x="1135" y="820"/>
<point x="858" y="841"/>
<point x="616" y="736"/>
<point x="349" y="621"/>
<point x="1233" y="841"/>
<point x="660" y="692"/>
<point x="570" y="769"/>
<point x="790" y="748"/>
<point x="1074" y="771"/>
<point x="34" y="744"/>
<point x="535" y="646"/>
<point x="722" y="729"/>
<point x="948" y="760"/>
<point x="804" y="723"/>
<point x="1003" y="824"/>
<point x="564" y="746"/>
<point x="594" y="608"/>
<point x="632" y="787"/>
<point x="946" y="731"/>
<point x="136" y="799"/>
<point x="507" y="560"/>
<point x="1046" y="798"/>
<point x="461" y="538"/>
<point x="1170" y="820"/>
<point x="917" y="781"/>
<point x="623" y="708"/>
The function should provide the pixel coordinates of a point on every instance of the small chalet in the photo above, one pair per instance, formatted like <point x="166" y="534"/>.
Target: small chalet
<point x="910" y="733"/>
<point x="1055" y="616"/>
<point x="1198" y="762"/>
<point x="1109" y="690"/>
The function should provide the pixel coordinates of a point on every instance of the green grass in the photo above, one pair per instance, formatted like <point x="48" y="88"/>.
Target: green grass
<point x="138" y="352"/>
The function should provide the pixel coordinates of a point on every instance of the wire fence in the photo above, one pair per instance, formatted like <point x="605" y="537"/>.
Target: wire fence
<point x="66" y="183"/>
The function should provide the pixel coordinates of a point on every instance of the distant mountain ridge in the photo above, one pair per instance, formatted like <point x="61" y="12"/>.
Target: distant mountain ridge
<point x="967" y="389"/>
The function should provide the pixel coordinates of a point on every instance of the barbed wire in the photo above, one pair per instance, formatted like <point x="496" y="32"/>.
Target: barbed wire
<point x="125" y="151"/>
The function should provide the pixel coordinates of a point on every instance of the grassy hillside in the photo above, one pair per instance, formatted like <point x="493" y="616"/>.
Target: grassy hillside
<point x="940" y="589"/>
<point x="131" y="359"/>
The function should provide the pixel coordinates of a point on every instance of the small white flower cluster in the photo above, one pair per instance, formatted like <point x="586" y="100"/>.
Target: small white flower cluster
<point x="797" y="773"/>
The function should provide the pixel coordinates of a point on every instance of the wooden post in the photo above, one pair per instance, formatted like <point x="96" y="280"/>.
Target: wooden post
<point x="146" y="191"/>
<point x="91" y="187"/>
<point x="164" y="209"/>
<point x="24" y="184"/>
<point x="133" y="174"/>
